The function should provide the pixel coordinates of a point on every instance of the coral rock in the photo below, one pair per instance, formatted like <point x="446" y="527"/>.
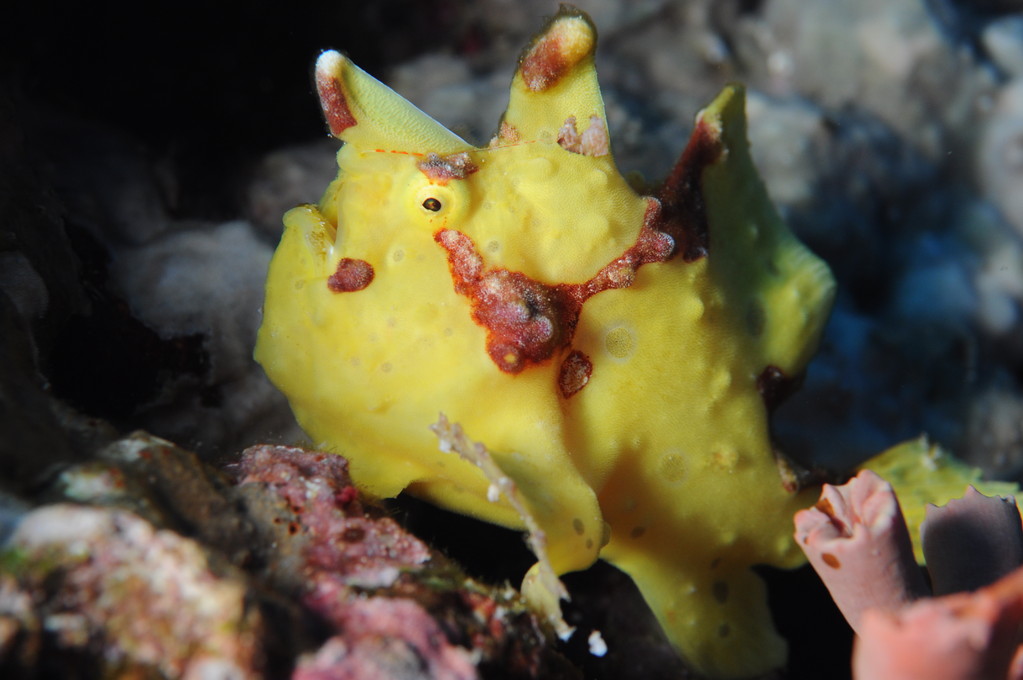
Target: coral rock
<point x="108" y="582"/>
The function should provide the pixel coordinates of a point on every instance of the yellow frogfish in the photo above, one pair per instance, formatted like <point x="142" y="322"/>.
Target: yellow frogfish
<point x="618" y="354"/>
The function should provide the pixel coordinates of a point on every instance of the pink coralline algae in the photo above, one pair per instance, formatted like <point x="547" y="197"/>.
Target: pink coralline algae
<point x="397" y="610"/>
<point x="341" y="544"/>
<point x="287" y="571"/>
<point x="387" y="638"/>
<point x="107" y="582"/>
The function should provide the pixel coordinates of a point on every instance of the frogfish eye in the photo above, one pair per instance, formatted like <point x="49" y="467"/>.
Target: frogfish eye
<point x="432" y="204"/>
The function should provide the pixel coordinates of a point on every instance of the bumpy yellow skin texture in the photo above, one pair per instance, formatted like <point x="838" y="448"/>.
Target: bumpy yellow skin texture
<point x="662" y="462"/>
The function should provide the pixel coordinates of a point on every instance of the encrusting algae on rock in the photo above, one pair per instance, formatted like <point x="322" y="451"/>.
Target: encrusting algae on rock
<point x="618" y="354"/>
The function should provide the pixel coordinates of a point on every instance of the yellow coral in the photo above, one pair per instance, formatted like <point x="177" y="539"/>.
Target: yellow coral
<point x="617" y="353"/>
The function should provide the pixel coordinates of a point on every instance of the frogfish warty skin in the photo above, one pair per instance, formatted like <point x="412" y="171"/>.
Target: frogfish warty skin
<point x="618" y="354"/>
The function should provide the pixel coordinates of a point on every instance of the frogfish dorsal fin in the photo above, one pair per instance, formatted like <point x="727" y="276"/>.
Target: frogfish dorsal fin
<point x="362" y="111"/>
<point x="555" y="80"/>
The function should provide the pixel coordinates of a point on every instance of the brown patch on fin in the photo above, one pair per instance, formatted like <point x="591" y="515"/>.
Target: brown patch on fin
<point x="442" y="169"/>
<point x="775" y="387"/>
<point x="506" y="134"/>
<point x="333" y="99"/>
<point x="351" y="275"/>
<point x="684" y="213"/>
<point x="575" y="372"/>
<point x="557" y="48"/>
<point x="543" y="66"/>
<point x="527" y="321"/>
